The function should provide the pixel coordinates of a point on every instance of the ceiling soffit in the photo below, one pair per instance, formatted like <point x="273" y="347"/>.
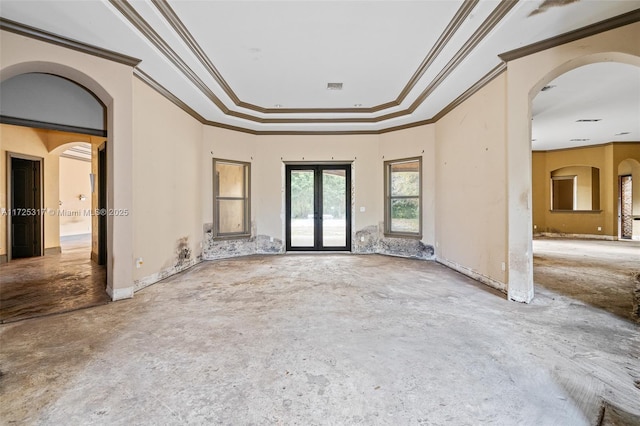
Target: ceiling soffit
<point x="454" y="24"/>
<point x="147" y="30"/>
<point x="458" y="42"/>
<point x="410" y="98"/>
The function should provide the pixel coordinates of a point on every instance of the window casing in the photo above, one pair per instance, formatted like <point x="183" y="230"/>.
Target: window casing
<point x="403" y="197"/>
<point x="231" y="199"/>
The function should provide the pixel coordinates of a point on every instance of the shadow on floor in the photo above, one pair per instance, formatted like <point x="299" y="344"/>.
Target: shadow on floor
<point x="52" y="284"/>
<point x="597" y="272"/>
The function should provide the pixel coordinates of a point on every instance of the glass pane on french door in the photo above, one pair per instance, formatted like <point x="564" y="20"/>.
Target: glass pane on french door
<point x="334" y="206"/>
<point x="302" y="217"/>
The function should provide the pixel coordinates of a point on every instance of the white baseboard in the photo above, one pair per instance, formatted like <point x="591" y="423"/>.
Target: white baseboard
<point x="500" y="286"/>
<point x="120" y="293"/>
<point x="577" y="236"/>
<point x="161" y="275"/>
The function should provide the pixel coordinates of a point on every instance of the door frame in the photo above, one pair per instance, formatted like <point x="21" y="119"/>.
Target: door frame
<point x="620" y="201"/>
<point x="318" y="167"/>
<point x="102" y="202"/>
<point x="40" y="160"/>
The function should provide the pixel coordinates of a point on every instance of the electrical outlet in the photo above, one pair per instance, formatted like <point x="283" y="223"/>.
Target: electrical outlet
<point x="138" y="262"/>
<point x="361" y="239"/>
<point x="504" y="267"/>
<point x="599" y="228"/>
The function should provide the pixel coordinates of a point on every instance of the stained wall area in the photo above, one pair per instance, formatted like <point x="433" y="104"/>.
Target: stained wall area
<point x="477" y="169"/>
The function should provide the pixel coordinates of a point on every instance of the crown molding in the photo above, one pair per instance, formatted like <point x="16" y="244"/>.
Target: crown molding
<point x="453" y="26"/>
<point x="170" y="16"/>
<point x="486" y="79"/>
<point x="589" y="30"/>
<point x="125" y="8"/>
<point x="31" y="32"/>
<point x="481" y="32"/>
<point x="181" y="30"/>
<point x="167" y="94"/>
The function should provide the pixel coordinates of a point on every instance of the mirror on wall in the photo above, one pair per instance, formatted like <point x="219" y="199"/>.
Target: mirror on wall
<point x="575" y="188"/>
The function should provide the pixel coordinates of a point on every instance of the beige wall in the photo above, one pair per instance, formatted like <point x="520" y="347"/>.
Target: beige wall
<point x="74" y="181"/>
<point x="471" y="203"/>
<point x="268" y="154"/>
<point x="414" y="142"/>
<point x="167" y="185"/>
<point x="476" y="162"/>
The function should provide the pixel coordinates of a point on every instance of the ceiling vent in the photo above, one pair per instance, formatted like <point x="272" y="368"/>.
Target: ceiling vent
<point x="334" y="86"/>
<point x="545" y="88"/>
<point x="622" y="133"/>
<point x="588" y="120"/>
<point x="579" y="140"/>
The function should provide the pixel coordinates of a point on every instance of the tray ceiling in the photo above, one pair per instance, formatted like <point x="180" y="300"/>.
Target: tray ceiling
<point x="265" y="65"/>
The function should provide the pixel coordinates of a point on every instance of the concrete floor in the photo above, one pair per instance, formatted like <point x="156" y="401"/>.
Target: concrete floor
<point x="322" y="339"/>
<point x="45" y="285"/>
<point x="600" y="273"/>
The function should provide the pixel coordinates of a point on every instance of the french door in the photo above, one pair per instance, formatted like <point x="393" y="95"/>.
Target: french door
<point x="318" y="207"/>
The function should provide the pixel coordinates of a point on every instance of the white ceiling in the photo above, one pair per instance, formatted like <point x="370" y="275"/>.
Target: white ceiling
<point x="607" y="91"/>
<point x="264" y="65"/>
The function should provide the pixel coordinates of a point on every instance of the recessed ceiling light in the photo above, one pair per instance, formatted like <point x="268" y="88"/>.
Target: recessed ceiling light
<point x="278" y="106"/>
<point x="622" y="133"/>
<point x="357" y="105"/>
<point x="588" y="120"/>
<point x="549" y="87"/>
<point x="579" y="140"/>
<point x="334" y="86"/>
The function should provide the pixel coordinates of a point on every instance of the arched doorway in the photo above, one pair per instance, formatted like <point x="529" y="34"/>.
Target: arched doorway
<point x="43" y="117"/>
<point x="578" y="133"/>
<point x="526" y="76"/>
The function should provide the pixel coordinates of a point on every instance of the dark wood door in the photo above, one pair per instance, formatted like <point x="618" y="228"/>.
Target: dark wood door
<point x="102" y="205"/>
<point x="26" y="215"/>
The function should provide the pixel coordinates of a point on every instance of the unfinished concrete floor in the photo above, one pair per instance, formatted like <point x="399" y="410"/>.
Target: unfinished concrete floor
<point x="321" y="339"/>
<point x="600" y="273"/>
<point x="45" y="285"/>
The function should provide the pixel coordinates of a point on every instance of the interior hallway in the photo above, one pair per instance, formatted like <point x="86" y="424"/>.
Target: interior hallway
<point x="322" y="339"/>
<point x="44" y="285"/>
<point x="601" y="273"/>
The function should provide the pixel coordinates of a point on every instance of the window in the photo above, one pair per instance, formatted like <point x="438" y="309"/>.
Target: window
<point x="403" y="199"/>
<point x="231" y="214"/>
<point x="575" y="188"/>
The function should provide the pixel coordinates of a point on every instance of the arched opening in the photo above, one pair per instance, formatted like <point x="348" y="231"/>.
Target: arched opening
<point x="54" y="123"/>
<point x="579" y="130"/>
